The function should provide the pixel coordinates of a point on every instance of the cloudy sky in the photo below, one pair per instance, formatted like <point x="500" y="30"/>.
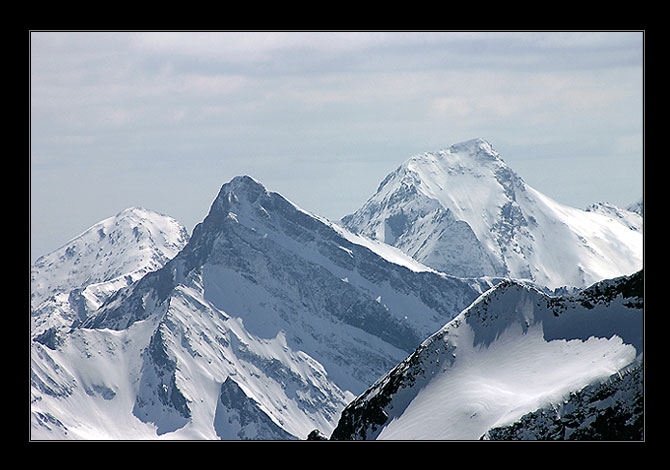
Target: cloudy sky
<point x="162" y="119"/>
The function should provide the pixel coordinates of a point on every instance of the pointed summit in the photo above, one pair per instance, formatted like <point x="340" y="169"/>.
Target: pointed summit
<point x="245" y="187"/>
<point x="244" y="184"/>
<point x="244" y="201"/>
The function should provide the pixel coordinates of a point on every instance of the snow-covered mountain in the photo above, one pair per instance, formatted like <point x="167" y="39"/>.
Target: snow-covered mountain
<point x="465" y="212"/>
<point x="79" y="276"/>
<point x="496" y="369"/>
<point x="265" y="325"/>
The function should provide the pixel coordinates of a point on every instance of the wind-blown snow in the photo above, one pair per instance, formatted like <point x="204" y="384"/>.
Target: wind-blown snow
<point x="496" y="385"/>
<point x="513" y="351"/>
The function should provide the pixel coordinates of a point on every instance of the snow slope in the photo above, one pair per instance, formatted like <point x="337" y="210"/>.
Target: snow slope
<point x="463" y="211"/>
<point x="264" y="326"/>
<point x="75" y="279"/>
<point x="513" y="351"/>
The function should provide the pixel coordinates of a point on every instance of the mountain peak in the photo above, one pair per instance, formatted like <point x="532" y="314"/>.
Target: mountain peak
<point x="133" y="210"/>
<point x="472" y="155"/>
<point x="240" y="190"/>
<point x="138" y="212"/>
<point x="81" y="274"/>
<point x="243" y="185"/>
<point x="464" y="203"/>
<point x="474" y="146"/>
<point x="244" y="181"/>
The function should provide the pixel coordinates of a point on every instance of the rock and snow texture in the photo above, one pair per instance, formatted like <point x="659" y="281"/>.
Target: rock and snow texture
<point x="637" y="207"/>
<point x="463" y="211"/>
<point x="77" y="278"/>
<point x="264" y="326"/>
<point x="608" y="411"/>
<point x="513" y="351"/>
<point x="630" y="217"/>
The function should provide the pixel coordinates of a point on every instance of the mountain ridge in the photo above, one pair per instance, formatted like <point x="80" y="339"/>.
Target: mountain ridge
<point x="451" y="387"/>
<point x="75" y="279"/>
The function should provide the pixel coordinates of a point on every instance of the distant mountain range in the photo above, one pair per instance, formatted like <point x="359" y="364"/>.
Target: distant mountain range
<point x="270" y="322"/>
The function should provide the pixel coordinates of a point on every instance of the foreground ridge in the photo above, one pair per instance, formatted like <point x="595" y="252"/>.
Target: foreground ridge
<point x="513" y="351"/>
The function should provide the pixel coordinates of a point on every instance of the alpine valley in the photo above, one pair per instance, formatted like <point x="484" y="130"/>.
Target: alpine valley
<point x="457" y="303"/>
